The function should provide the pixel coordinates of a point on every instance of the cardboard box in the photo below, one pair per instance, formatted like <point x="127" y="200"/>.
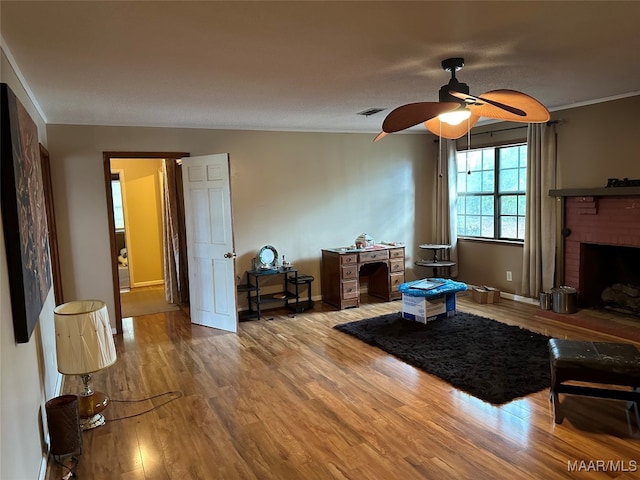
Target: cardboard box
<point x="423" y="310"/>
<point x="485" y="294"/>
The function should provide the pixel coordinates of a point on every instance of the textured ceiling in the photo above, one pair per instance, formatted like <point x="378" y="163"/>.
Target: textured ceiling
<point x="306" y="65"/>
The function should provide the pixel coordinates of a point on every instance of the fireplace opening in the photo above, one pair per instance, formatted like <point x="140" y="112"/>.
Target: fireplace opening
<point x="610" y="277"/>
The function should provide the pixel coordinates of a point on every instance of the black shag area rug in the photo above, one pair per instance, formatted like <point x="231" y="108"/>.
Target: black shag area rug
<point x="490" y="360"/>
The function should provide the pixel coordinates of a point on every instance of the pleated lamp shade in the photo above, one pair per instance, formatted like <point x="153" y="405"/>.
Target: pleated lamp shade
<point x="84" y="342"/>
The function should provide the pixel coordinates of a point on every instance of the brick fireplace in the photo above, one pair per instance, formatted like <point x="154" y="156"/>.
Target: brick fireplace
<point x="602" y="240"/>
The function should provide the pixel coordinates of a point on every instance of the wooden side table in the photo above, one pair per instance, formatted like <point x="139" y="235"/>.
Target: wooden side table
<point x="443" y="262"/>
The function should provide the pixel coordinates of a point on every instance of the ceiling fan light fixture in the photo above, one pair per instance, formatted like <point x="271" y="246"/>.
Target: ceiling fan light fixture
<point x="457" y="110"/>
<point x="456" y="117"/>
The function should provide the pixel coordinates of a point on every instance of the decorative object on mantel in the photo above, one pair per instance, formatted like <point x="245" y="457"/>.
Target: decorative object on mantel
<point x="457" y="111"/>
<point x="625" y="182"/>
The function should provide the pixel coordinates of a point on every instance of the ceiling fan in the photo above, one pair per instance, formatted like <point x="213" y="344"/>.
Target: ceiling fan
<point x="458" y="111"/>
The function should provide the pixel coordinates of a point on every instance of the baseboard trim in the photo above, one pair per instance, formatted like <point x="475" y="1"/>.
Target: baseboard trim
<point x="151" y="283"/>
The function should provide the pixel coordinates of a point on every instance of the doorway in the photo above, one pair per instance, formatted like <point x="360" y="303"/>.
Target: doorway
<point x="137" y="271"/>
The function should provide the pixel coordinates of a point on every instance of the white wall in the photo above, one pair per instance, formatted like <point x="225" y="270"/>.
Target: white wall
<point x="299" y="192"/>
<point x="28" y="373"/>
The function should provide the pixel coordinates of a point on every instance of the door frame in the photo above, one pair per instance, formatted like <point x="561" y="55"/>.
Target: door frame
<point x="56" y="272"/>
<point x="106" y="159"/>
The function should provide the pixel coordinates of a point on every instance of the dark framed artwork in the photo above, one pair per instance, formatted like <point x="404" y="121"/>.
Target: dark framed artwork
<point x="24" y="215"/>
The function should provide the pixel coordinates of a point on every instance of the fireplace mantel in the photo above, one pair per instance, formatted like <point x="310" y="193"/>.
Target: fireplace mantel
<point x="595" y="192"/>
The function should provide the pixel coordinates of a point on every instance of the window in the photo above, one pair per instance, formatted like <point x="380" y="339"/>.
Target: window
<point x="118" y="210"/>
<point x="492" y="185"/>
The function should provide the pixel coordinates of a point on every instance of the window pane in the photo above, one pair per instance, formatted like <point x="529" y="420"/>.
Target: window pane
<point x="487" y="205"/>
<point x="488" y="181"/>
<point x="488" y="159"/>
<point x="509" y="180"/>
<point x="508" y="205"/>
<point x="508" y="227"/>
<point x="473" y="205"/>
<point x="461" y="161"/>
<point x="522" y="205"/>
<point x="474" y="160"/>
<point x="474" y="182"/>
<point x="522" y="179"/>
<point x="509" y="157"/>
<point x="521" y="227"/>
<point x="487" y="227"/>
<point x="522" y="153"/>
<point x="473" y="225"/>
<point x="118" y="211"/>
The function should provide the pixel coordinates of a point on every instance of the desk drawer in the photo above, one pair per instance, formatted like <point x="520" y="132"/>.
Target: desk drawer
<point x="374" y="256"/>
<point x="350" y="289"/>
<point x="396" y="253"/>
<point x="396" y="266"/>
<point x="349" y="258"/>
<point x="348" y="272"/>
<point x="395" y="279"/>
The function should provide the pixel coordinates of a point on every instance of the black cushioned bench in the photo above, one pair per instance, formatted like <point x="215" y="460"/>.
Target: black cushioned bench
<point x="594" y="362"/>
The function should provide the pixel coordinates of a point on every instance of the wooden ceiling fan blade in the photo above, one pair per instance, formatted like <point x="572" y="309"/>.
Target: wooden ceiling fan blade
<point x="380" y="136"/>
<point x="413" y="114"/>
<point x="475" y="102"/>
<point x="444" y="130"/>
<point x="534" y="111"/>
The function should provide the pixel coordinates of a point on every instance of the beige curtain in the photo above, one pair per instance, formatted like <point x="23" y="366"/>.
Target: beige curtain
<point x="445" y="223"/>
<point x="538" y="262"/>
<point x="174" y="235"/>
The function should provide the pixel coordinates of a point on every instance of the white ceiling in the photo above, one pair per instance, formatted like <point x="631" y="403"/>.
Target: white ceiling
<point x="307" y="65"/>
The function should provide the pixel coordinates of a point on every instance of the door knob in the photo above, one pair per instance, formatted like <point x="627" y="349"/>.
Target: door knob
<point x="230" y="255"/>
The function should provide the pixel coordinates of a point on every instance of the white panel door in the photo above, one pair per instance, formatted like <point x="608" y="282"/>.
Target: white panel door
<point x="210" y="254"/>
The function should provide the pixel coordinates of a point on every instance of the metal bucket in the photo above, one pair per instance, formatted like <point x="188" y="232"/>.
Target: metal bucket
<point x="564" y="299"/>
<point x="545" y="300"/>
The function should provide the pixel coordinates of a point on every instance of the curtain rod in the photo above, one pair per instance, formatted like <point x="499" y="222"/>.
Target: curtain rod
<point x="550" y="122"/>
<point x="491" y="132"/>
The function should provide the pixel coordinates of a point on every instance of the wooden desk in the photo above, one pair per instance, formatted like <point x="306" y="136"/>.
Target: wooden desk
<point x="342" y="269"/>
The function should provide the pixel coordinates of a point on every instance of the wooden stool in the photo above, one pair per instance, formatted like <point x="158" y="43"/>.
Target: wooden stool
<point x="594" y="362"/>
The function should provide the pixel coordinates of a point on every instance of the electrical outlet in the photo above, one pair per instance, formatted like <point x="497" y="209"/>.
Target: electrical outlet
<point x="509" y="276"/>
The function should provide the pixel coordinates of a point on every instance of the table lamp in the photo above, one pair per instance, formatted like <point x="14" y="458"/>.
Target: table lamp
<point x="84" y="344"/>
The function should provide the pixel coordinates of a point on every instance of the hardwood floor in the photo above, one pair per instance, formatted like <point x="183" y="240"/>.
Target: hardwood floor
<point x="293" y="398"/>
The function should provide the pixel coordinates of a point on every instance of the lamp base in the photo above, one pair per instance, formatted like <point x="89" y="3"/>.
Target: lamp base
<point x="94" y="421"/>
<point x="89" y="407"/>
<point x="91" y="404"/>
